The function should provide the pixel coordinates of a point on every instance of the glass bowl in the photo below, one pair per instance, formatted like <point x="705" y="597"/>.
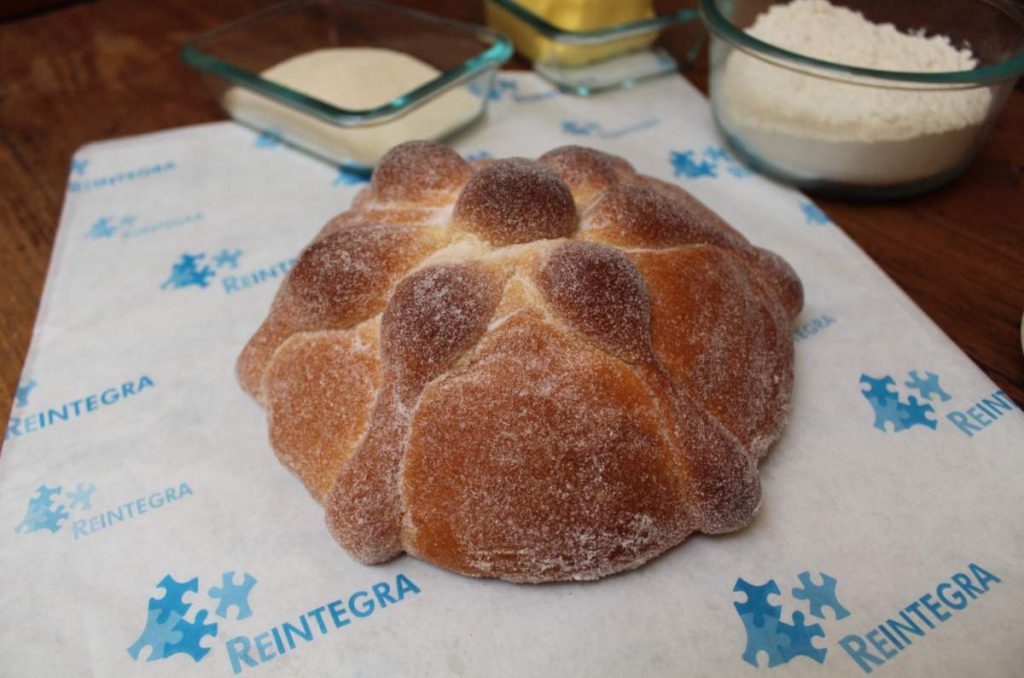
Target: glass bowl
<point x="581" y="59"/>
<point x="233" y="60"/>
<point x="858" y="132"/>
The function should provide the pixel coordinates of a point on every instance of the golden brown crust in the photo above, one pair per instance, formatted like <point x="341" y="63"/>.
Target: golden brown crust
<point x="419" y="172"/>
<point x="544" y="460"/>
<point x="642" y="214"/>
<point x="709" y="311"/>
<point x="515" y="201"/>
<point x="536" y="371"/>
<point x="339" y="280"/>
<point x="586" y="171"/>
<point x="322" y="385"/>
<point x="433" y="317"/>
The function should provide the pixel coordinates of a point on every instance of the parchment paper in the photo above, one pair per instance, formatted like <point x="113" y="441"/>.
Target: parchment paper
<point x="169" y="251"/>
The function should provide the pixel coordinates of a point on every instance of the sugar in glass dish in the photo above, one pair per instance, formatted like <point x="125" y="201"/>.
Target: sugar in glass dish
<point x="458" y="62"/>
<point x="851" y="131"/>
<point x="588" y="46"/>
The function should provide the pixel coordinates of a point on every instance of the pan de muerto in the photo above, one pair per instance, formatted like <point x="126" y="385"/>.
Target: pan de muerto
<point x="532" y="370"/>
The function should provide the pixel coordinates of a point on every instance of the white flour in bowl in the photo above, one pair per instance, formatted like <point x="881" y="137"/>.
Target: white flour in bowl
<point x="353" y="78"/>
<point x="818" y="128"/>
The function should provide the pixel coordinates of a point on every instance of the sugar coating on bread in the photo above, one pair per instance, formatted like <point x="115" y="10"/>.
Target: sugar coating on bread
<point x="585" y="171"/>
<point x="419" y="172"/>
<point x="532" y="370"/>
<point x="515" y="201"/>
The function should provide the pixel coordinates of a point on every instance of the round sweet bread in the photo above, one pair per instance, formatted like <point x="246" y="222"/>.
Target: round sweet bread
<point x="532" y="370"/>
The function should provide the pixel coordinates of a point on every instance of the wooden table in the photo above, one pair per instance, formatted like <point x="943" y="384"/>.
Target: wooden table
<point x="110" y="68"/>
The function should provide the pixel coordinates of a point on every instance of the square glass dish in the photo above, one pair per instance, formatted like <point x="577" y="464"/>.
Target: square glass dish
<point x="583" y="47"/>
<point x="285" y="71"/>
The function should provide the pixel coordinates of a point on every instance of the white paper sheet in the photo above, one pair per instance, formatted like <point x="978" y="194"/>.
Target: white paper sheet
<point x="129" y="387"/>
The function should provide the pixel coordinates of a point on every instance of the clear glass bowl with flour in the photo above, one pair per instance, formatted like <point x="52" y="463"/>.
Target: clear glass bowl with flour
<point x="348" y="79"/>
<point x="861" y="98"/>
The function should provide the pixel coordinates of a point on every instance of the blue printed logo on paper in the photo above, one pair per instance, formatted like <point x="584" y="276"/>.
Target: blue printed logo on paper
<point x="250" y="650"/>
<point x="191" y="270"/>
<point x="592" y="128"/>
<point x="80" y="183"/>
<point x="50" y="510"/>
<point x="813" y="327"/>
<point x="22" y="392"/>
<point x="169" y="631"/>
<point x="350" y="177"/>
<point x="890" y="407"/>
<point x="813" y="214"/>
<point x="268" y="138"/>
<point x="783" y="641"/>
<point x="900" y="405"/>
<point x="508" y="89"/>
<point x="898" y="631"/>
<point x="45" y="513"/>
<point x="24" y="424"/>
<point x="708" y="163"/>
<point x="124" y="226"/>
<point x="198" y="270"/>
<point x="479" y="155"/>
<point x="108" y="226"/>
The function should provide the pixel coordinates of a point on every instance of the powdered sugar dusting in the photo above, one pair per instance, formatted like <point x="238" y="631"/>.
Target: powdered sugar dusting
<point x="642" y="214"/>
<point x="516" y="201"/>
<point x="587" y="172"/>
<point x="419" y="172"/>
<point x="321" y="388"/>
<point x="543" y="459"/>
<point x="458" y="371"/>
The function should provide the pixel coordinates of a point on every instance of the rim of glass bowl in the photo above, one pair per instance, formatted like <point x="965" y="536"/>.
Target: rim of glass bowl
<point x="491" y="57"/>
<point x="596" y="35"/>
<point x="722" y="28"/>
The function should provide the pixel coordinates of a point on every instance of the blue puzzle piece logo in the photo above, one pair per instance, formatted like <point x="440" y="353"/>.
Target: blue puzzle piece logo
<point x="191" y="270"/>
<point x="757" y="605"/>
<point x="157" y="635"/>
<point x="43" y="513"/>
<point x="233" y="595"/>
<point x="22" y="393"/>
<point x="192" y="633"/>
<point x="779" y="641"/>
<point x="712" y="159"/>
<point x="821" y="595"/>
<point x="765" y="638"/>
<point x="227" y="258"/>
<point x="927" y="387"/>
<point x="349" y="177"/>
<point x="813" y="214"/>
<point x="800" y="636"/>
<point x="108" y="226"/>
<point x="167" y="631"/>
<point x="81" y="496"/>
<point x="187" y="272"/>
<point x="268" y="138"/>
<point x="101" y="228"/>
<point x="173" y="600"/>
<point x="685" y="165"/>
<point x="890" y="408"/>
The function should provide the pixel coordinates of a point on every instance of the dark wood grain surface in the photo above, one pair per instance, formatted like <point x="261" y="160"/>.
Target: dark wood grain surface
<point x="110" y="68"/>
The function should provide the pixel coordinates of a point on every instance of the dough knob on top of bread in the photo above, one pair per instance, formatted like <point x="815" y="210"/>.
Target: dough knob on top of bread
<point x="531" y="370"/>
